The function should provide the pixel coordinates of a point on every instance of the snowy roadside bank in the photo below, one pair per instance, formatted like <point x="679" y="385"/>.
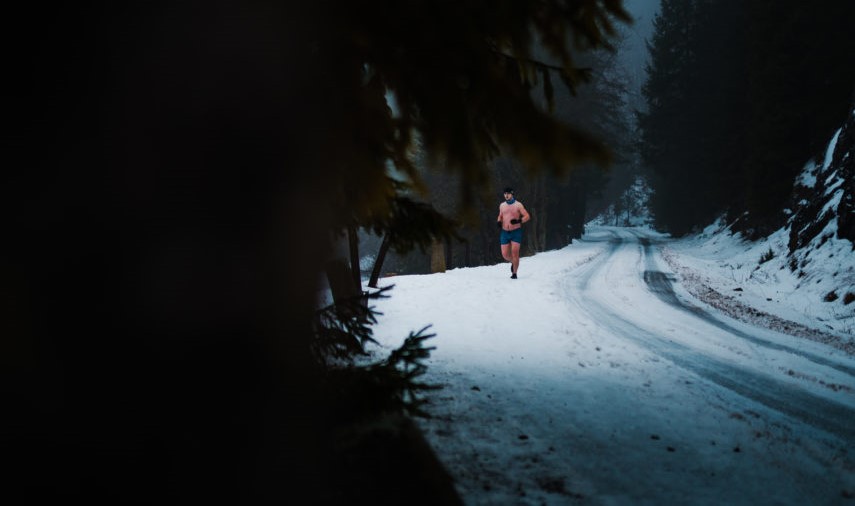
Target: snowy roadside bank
<point x="727" y="273"/>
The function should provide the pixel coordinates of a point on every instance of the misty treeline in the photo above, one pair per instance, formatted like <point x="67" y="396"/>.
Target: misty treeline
<point x="741" y="94"/>
<point x="184" y="175"/>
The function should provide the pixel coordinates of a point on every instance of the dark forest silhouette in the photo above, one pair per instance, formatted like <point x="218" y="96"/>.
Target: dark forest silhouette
<point x="732" y="119"/>
<point x="179" y="170"/>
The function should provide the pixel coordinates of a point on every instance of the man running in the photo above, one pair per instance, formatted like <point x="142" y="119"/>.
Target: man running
<point x="512" y="215"/>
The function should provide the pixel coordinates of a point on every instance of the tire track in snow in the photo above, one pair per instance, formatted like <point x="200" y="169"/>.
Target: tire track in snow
<point x="660" y="284"/>
<point x="820" y="413"/>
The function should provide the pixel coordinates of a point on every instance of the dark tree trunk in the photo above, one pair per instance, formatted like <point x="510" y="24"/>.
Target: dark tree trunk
<point x="341" y="282"/>
<point x="353" y="240"/>
<point x="467" y="257"/>
<point x="344" y="280"/>
<point x="378" y="263"/>
<point x="437" y="257"/>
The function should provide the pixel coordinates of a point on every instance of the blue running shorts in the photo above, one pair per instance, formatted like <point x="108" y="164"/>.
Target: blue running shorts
<point x="511" y="235"/>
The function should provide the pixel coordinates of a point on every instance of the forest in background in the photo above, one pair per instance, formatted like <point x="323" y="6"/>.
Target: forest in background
<point x="560" y="203"/>
<point x="738" y="96"/>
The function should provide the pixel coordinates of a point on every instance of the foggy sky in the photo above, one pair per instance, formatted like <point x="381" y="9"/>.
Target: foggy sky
<point x="635" y="52"/>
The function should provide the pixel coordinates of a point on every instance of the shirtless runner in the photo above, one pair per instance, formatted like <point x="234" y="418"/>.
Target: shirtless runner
<point x="512" y="215"/>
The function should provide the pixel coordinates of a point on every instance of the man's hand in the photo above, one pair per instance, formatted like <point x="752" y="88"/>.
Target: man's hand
<point x="499" y="224"/>
<point x="515" y="221"/>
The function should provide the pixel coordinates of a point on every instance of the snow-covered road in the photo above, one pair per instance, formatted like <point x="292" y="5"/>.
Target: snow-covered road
<point x="757" y="376"/>
<point x="596" y="378"/>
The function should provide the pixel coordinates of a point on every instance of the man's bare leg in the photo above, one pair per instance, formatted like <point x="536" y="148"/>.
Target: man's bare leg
<point x="506" y="252"/>
<point x="515" y="256"/>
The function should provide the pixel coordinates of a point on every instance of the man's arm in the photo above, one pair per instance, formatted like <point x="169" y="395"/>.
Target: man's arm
<point x="524" y="214"/>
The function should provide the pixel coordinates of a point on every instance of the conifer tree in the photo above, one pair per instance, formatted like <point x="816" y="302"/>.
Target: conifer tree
<point x="667" y="125"/>
<point x="559" y="203"/>
<point x="732" y="119"/>
<point x="716" y="91"/>
<point x="185" y="166"/>
<point x="800" y="81"/>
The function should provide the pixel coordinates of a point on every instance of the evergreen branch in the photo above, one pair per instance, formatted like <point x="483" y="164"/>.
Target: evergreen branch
<point x="530" y="61"/>
<point x="342" y="330"/>
<point x="388" y="386"/>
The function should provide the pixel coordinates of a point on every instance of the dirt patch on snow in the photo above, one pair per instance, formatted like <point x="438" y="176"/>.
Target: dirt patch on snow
<point x="696" y="285"/>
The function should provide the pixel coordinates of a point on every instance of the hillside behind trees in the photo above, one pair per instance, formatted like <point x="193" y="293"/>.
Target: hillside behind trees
<point x="740" y="94"/>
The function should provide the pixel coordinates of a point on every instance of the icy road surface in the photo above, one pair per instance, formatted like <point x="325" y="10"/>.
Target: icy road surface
<point x="596" y="378"/>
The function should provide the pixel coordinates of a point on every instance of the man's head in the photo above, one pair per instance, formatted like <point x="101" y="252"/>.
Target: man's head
<point x="509" y="193"/>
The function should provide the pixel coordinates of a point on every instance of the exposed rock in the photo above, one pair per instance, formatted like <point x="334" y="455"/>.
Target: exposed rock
<point x="844" y="155"/>
<point x="825" y="192"/>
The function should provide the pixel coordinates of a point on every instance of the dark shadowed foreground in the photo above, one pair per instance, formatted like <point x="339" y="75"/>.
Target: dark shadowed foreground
<point x="162" y="248"/>
<point x="178" y="170"/>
